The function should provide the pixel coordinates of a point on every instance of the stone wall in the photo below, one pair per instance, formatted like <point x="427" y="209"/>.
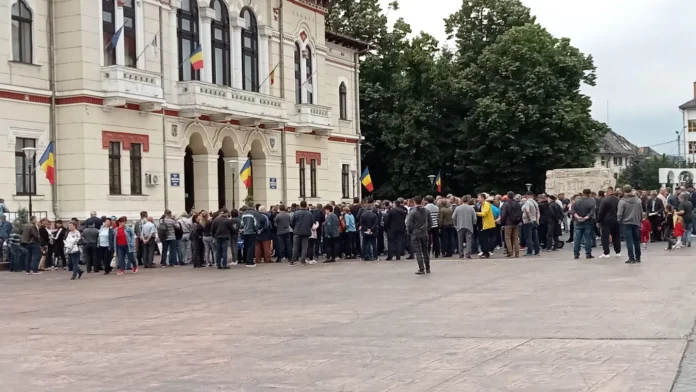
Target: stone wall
<point x="573" y="181"/>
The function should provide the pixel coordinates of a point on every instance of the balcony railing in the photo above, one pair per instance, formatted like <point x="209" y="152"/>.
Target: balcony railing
<point x="309" y="117"/>
<point x="131" y="84"/>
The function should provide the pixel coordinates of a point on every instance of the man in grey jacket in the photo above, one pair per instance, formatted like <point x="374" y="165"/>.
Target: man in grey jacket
<point x="629" y="216"/>
<point x="283" y="231"/>
<point x="91" y="237"/>
<point x="418" y="227"/>
<point x="464" y="218"/>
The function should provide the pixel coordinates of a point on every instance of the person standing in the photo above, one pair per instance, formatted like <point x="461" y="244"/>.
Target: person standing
<point x="283" y="231"/>
<point x="583" y="213"/>
<point x="139" y="251"/>
<point x="629" y="214"/>
<point x="555" y="219"/>
<point x="124" y="245"/>
<point x="350" y="234"/>
<point x="221" y="232"/>
<point x="59" y="243"/>
<point x="90" y="236"/>
<point x="331" y="234"/>
<point x="464" y="219"/>
<point x="510" y="219"/>
<point x="148" y="238"/>
<point x="434" y="244"/>
<point x="395" y="227"/>
<point x="487" y="226"/>
<point x="73" y="250"/>
<point x="30" y="242"/>
<point x="301" y="223"/>
<point x="186" y="225"/>
<point x="105" y="240"/>
<point x="263" y="240"/>
<point x="5" y="231"/>
<point x="544" y="214"/>
<point x="686" y="211"/>
<point x="208" y="240"/>
<point x="530" y="225"/>
<point x="251" y="226"/>
<point x="369" y="223"/>
<point x="446" y="222"/>
<point x="45" y="244"/>
<point x="94" y="219"/>
<point x="167" y="235"/>
<point x="655" y="209"/>
<point x="418" y="228"/>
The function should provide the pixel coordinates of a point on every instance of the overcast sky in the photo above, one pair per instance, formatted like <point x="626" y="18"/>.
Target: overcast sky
<point x="644" y="51"/>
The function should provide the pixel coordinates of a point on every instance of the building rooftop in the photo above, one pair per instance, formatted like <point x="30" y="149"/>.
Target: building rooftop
<point x="616" y="144"/>
<point x="689" y="105"/>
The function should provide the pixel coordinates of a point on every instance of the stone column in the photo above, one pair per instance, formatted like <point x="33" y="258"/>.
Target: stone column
<point x="303" y="75"/>
<point x="235" y="190"/>
<point x="205" y="182"/>
<point x="207" y="14"/>
<point x="174" y="60"/>
<point x="236" y="25"/>
<point x="120" y="48"/>
<point x="265" y="33"/>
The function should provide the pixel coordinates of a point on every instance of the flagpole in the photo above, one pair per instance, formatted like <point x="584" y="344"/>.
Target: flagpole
<point x="146" y="46"/>
<point x="269" y="75"/>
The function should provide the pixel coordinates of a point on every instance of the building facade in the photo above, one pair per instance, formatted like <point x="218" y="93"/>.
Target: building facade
<point x="615" y="152"/>
<point x="136" y="127"/>
<point x="688" y="110"/>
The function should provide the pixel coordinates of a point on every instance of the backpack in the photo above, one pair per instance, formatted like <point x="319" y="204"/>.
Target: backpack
<point x="516" y="214"/>
<point x="178" y="231"/>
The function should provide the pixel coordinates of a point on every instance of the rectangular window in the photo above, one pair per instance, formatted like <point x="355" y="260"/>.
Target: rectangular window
<point x="692" y="147"/>
<point x="114" y="168"/>
<point x="345" y="181"/>
<point x="302" y="178"/>
<point x="129" y="33"/>
<point x="108" y="30"/>
<point x="618" y="161"/>
<point x="313" y="177"/>
<point x="692" y="125"/>
<point x="136" y="169"/>
<point x="25" y="180"/>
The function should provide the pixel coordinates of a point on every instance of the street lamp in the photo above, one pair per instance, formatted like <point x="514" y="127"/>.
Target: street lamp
<point x="354" y="173"/>
<point x="432" y="180"/>
<point x="529" y="186"/>
<point x="233" y="166"/>
<point x="29" y="153"/>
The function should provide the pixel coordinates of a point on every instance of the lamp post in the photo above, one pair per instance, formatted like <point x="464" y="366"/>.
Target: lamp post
<point x="355" y="183"/>
<point x="529" y="186"/>
<point x="233" y="166"/>
<point x="29" y="153"/>
<point x="432" y="180"/>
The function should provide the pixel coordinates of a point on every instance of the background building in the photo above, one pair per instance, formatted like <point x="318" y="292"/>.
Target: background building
<point x="137" y="128"/>
<point x="688" y="110"/>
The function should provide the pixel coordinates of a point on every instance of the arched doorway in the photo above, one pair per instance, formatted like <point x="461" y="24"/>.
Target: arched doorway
<point x="189" y="192"/>
<point x="258" y="173"/>
<point x="250" y="190"/>
<point x="221" y="179"/>
<point x="228" y="174"/>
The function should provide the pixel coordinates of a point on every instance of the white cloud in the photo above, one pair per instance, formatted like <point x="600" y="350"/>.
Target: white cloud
<point x="644" y="50"/>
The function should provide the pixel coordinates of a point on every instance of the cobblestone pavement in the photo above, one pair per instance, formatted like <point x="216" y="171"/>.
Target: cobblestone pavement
<point x="548" y="323"/>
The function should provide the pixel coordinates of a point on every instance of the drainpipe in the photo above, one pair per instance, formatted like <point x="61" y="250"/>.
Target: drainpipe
<point x="283" y="145"/>
<point x="164" y="118"/>
<point x="52" y="109"/>
<point x="356" y="79"/>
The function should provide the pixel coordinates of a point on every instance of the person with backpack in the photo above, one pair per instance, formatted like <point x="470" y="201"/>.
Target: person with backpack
<point x="250" y="228"/>
<point x="263" y="241"/>
<point x="331" y="234"/>
<point x="510" y="219"/>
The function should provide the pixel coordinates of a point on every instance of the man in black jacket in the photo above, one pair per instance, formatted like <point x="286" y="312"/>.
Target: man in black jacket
<point x="544" y="214"/>
<point x="655" y="208"/>
<point x="607" y="219"/>
<point x="301" y="222"/>
<point x="510" y="219"/>
<point x="395" y="227"/>
<point x="369" y="223"/>
<point x="221" y="232"/>
<point x="554" y="224"/>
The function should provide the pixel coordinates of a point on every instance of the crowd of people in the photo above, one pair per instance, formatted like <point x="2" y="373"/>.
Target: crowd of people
<point x="304" y="233"/>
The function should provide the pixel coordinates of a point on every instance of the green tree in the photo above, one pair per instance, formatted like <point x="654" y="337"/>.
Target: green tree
<point x="643" y="172"/>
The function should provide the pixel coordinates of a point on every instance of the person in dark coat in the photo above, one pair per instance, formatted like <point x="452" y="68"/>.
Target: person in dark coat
<point x="607" y="219"/>
<point x="395" y="226"/>
<point x="544" y="215"/>
<point x="301" y="223"/>
<point x="555" y="217"/>
<point x="369" y="226"/>
<point x="655" y="207"/>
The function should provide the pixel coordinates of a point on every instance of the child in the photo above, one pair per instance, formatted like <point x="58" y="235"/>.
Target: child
<point x="668" y="226"/>
<point x="678" y="230"/>
<point x="645" y="229"/>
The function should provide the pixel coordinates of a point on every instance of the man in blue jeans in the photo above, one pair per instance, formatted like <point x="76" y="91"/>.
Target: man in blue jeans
<point x="530" y="224"/>
<point x="629" y="216"/>
<point x="220" y="230"/>
<point x="30" y="242"/>
<point x="686" y="211"/>
<point x="252" y="224"/>
<point x="584" y="214"/>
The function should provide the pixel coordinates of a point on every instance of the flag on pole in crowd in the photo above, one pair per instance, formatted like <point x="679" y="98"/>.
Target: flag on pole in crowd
<point x="47" y="163"/>
<point x="367" y="180"/>
<point x="197" y="58"/>
<point x="438" y="183"/>
<point x="245" y="173"/>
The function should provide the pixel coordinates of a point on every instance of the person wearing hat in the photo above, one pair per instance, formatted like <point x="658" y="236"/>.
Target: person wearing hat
<point x="488" y="225"/>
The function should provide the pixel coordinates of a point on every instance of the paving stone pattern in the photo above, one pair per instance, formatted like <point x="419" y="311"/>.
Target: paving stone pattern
<point x="532" y="324"/>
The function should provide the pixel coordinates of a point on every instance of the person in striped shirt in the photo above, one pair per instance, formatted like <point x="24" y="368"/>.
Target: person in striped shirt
<point x="434" y="244"/>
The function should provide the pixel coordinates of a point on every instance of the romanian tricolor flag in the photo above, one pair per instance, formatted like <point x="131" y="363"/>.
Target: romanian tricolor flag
<point x="438" y="183"/>
<point x="245" y="173"/>
<point x="197" y="58"/>
<point x="367" y="180"/>
<point x="47" y="163"/>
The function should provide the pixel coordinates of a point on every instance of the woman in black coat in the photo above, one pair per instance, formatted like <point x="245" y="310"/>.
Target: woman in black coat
<point x="59" y="243"/>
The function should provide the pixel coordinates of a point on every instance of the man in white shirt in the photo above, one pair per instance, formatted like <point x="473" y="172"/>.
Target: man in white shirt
<point x="148" y="236"/>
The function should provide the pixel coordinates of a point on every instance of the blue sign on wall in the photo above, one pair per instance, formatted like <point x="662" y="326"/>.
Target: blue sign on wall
<point x="273" y="183"/>
<point x="174" y="179"/>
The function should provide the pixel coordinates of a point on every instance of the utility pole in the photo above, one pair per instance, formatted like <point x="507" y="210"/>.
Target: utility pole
<point x="678" y="149"/>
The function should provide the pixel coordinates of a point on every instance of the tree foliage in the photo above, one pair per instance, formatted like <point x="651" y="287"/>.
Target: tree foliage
<point x="643" y="172"/>
<point x="492" y="113"/>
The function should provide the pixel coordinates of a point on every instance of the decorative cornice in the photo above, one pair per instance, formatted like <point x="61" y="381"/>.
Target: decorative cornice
<point x="310" y="5"/>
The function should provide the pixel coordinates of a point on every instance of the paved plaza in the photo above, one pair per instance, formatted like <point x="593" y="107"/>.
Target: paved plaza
<point x="548" y="323"/>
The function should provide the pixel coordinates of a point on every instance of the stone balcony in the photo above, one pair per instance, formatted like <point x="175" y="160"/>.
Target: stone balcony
<point x="224" y="103"/>
<point x="124" y="84"/>
<point x="312" y="118"/>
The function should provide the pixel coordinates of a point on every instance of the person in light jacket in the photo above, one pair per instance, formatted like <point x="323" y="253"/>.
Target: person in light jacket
<point x="73" y="250"/>
<point x="124" y="244"/>
<point x="464" y="218"/>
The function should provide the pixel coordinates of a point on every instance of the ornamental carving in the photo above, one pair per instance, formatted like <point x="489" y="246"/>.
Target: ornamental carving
<point x="573" y="181"/>
<point x="126" y="139"/>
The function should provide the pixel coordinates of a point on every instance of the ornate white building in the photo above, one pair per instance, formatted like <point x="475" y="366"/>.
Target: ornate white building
<point x="137" y="128"/>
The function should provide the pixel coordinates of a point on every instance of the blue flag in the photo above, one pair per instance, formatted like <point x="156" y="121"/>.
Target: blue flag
<point x="115" y="38"/>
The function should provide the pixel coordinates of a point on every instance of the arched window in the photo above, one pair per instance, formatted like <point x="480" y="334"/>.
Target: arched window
<point x="250" y="52"/>
<point x="298" y="75"/>
<point x="343" y="101"/>
<point x="21" y="32"/>
<point x="108" y="30"/>
<point x="309" y="83"/>
<point x="187" y="35"/>
<point x="221" y="44"/>
<point x="129" y="33"/>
